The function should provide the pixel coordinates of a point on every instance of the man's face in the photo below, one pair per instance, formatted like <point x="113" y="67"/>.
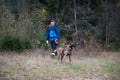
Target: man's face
<point x="52" y="23"/>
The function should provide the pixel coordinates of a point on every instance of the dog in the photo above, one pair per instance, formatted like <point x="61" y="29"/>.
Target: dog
<point x="63" y="52"/>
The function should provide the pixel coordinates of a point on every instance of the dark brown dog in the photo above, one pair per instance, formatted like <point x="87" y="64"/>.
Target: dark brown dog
<point x="63" y="52"/>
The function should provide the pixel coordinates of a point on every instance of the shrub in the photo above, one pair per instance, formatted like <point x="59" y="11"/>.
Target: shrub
<point x="114" y="44"/>
<point x="40" y="40"/>
<point x="14" y="43"/>
<point x="26" y="42"/>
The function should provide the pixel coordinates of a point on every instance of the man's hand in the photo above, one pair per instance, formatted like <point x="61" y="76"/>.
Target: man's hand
<point x="47" y="41"/>
<point x="56" y="41"/>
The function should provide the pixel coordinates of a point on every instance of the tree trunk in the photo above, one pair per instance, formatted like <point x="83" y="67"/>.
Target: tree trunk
<point x="106" y="21"/>
<point x="75" y="21"/>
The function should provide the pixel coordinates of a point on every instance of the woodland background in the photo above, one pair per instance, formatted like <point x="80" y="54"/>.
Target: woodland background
<point x="93" y="24"/>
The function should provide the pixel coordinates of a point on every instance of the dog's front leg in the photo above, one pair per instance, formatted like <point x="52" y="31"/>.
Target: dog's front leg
<point x="58" y="57"/>
<point x="69" y="58"/>
<point x="61" y="58"/>
<point x="65" y="54"/>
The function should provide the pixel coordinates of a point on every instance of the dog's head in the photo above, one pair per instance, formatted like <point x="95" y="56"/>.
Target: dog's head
<point x="71" y="46"/>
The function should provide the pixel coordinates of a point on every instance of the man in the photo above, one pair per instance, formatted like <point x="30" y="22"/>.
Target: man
<point x="53" y="35"/>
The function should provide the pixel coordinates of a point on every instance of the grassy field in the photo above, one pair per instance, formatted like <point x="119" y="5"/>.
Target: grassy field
<point x="34" y="65"/>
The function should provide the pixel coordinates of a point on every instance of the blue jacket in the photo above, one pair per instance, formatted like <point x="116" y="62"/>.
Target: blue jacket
<point x="57" y="31"/>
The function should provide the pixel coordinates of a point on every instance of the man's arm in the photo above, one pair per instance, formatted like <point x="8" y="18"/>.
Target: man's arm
<point x="47" y="35"/>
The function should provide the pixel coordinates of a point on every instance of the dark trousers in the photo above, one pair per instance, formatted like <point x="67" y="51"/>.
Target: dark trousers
<point x="53" y="45"/>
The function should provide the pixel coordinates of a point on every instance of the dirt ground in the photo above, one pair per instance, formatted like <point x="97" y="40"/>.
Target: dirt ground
<point x="38" y="65"/>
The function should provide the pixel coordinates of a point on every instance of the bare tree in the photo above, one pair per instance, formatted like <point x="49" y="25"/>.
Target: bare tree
<point x="75" y="20"/>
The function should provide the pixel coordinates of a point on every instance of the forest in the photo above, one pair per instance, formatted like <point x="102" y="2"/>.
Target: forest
<point x="92" y="25"/>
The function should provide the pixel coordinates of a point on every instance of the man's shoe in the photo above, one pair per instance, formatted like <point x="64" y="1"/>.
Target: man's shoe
<point x="53" y="54"/>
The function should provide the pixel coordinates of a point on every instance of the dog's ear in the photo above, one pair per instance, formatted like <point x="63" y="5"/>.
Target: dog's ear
<point x="73" y="45"/>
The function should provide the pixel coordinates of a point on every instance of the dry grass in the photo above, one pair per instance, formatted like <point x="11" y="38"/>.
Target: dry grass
<point x="38" y="65"/>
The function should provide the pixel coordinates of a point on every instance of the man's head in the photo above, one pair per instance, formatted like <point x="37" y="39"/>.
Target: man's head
<point x="52" y="23"/>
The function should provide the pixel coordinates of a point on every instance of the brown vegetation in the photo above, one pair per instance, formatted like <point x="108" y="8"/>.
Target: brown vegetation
<point x="32" y="65"/>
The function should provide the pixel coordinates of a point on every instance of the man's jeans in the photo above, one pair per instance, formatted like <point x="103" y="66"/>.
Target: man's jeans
<point x="53" y="45"/>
